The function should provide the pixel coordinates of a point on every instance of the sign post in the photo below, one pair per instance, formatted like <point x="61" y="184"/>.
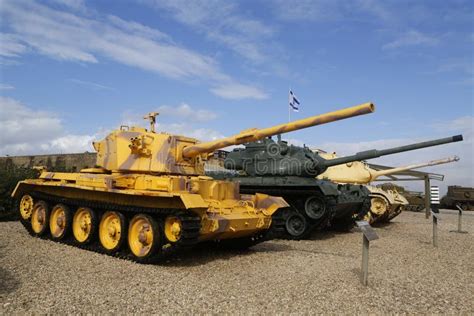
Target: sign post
<point x="434" y="194"/>
<point x="460" y="210"/>
<point x="368" y="234"/>
<point x="435" y="228"/>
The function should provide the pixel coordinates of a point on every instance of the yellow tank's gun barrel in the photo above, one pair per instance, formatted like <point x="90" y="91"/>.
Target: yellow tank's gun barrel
<point x="256" y="134"/>
<point x="376" y="174"/>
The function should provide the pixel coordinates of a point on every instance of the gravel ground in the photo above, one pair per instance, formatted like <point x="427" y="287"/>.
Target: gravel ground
<point x="321" y="275"/>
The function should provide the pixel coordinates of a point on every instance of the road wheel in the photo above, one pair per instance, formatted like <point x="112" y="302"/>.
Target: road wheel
<point x="84" y="225"/>
<point x="144" y="238"/>
<point x="39" y="218"/>
<point x="173" y="228"/>
<point x="296" y="225"/>
<point x="60" y="221"/>
<point x="26" y="207"/>
<point x="112" y="231"/>
<point x="315" y="207"/>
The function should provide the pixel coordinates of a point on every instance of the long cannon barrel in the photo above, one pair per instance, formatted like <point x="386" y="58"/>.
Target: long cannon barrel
<point x="252" y="135"/>
<point x="374" y="153"/>
<point x="376" y="174"/>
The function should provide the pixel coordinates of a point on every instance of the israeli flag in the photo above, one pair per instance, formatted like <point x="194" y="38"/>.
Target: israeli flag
<point x="294" y="103"/>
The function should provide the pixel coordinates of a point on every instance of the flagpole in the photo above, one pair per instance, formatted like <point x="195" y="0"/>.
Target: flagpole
<point x="289" y="110"/>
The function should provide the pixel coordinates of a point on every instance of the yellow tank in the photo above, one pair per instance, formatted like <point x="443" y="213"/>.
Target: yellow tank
<point x="148" y="197"/>
<point x="385" y="204"/>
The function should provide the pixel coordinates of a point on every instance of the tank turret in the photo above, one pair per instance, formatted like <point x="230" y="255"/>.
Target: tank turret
<point x="276" y="158"/>
<point x="360" y="172"/>
<point x="135" y="149"/>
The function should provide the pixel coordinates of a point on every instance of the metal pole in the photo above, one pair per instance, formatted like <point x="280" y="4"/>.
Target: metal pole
<point x="365" y="261"/>
<point x="460" y="220"/>
<point x="460" y="211"/>
<point x="435" y="231"/>
<point x="427" y="197"/>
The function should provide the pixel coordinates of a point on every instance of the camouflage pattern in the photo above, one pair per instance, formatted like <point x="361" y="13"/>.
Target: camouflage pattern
<point x="163" y="175"/>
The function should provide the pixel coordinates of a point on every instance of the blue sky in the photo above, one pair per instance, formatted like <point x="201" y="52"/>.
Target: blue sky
<point x="71" y="70"/>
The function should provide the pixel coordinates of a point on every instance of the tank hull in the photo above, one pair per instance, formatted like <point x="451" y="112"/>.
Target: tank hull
<point x="385" y="205"/>
<point x="206" y="209"/>
<point x="342" y="204"/>
<point x="456" y="195"/>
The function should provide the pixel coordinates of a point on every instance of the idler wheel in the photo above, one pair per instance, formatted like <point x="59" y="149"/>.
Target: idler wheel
<point x="60" y="221"/>
<point x="39" y="218"/>
<point x="26" y="207"/>
<point x="378" y="206"/>
<point x="315" y="207"/>
<point x="144" y="238"/>
<point x="84" y="225"/>
<point x="112" y="231"/>
<point x="296" y="225"/>
<point x="173" y="228"/>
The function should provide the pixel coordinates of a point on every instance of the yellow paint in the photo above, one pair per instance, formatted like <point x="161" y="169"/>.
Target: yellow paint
<point x="82" y="224"/>
<point x="383" y="202"/>
<point x="172" y="228"/>
<point x="110" y="230"/>
<point x="141" y="236"/>
<point x="254" y="134"/>
<point x="141" y="168"/>
<point x="39" y="218"/>
<point x="58" y="221"/>
<point x="26" y="207"/>
<point x="358" y="172"/>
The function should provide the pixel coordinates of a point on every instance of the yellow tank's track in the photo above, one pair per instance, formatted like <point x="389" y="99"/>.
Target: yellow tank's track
<point x="191" y="225"/>
<point x="395" y="213"/>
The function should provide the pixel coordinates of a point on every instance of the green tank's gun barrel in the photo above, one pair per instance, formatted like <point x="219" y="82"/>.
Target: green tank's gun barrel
<point x="252" y="135"/>
<point x="374" y="153"/>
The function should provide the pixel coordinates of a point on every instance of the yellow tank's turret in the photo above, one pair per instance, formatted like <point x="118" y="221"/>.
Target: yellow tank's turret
<point x="360" y="173"/>
<point x="135" y="149"/>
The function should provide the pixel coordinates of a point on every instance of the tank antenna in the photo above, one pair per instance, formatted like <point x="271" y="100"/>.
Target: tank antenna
<point x="152" y="118"/>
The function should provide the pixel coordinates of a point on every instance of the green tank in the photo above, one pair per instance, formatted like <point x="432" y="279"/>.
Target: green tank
<point x="277" y="168"/>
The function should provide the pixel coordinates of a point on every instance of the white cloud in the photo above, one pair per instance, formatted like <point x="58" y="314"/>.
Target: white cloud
<point x="185" y="111"/>
<point x="66" y="36"/>
<point x="190" y="130"/>
<point x="411" y="38"/>
<point x="179" y="120"/>
<point x="70" y="144"/>
<point x="11" y="46"/>
<point x="309" y="10"/>
<point x="92" y="85"/>
<point x="29" y="131"/>
<point x="221" y="23"/>
<point x="4" y="86"/>
<point x="73" y="4"/>
<point x="462" y="68"/>
<point x="329" y="10"/>
<point x="238" y="91"/>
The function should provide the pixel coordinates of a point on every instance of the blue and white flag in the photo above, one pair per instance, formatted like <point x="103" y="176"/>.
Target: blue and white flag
<point x="294" y="103"/>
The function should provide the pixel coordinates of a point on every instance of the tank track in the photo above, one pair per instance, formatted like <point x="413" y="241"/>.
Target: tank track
<point x="243" y="242"/>
<point x="278" y="228"/>
<point x="191" y="225"/>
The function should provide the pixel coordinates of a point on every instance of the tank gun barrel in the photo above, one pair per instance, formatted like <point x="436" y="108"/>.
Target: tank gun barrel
<point x="374" y="153"/>
<point x="251" y="135"/>
<point x="377" y="174"/>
